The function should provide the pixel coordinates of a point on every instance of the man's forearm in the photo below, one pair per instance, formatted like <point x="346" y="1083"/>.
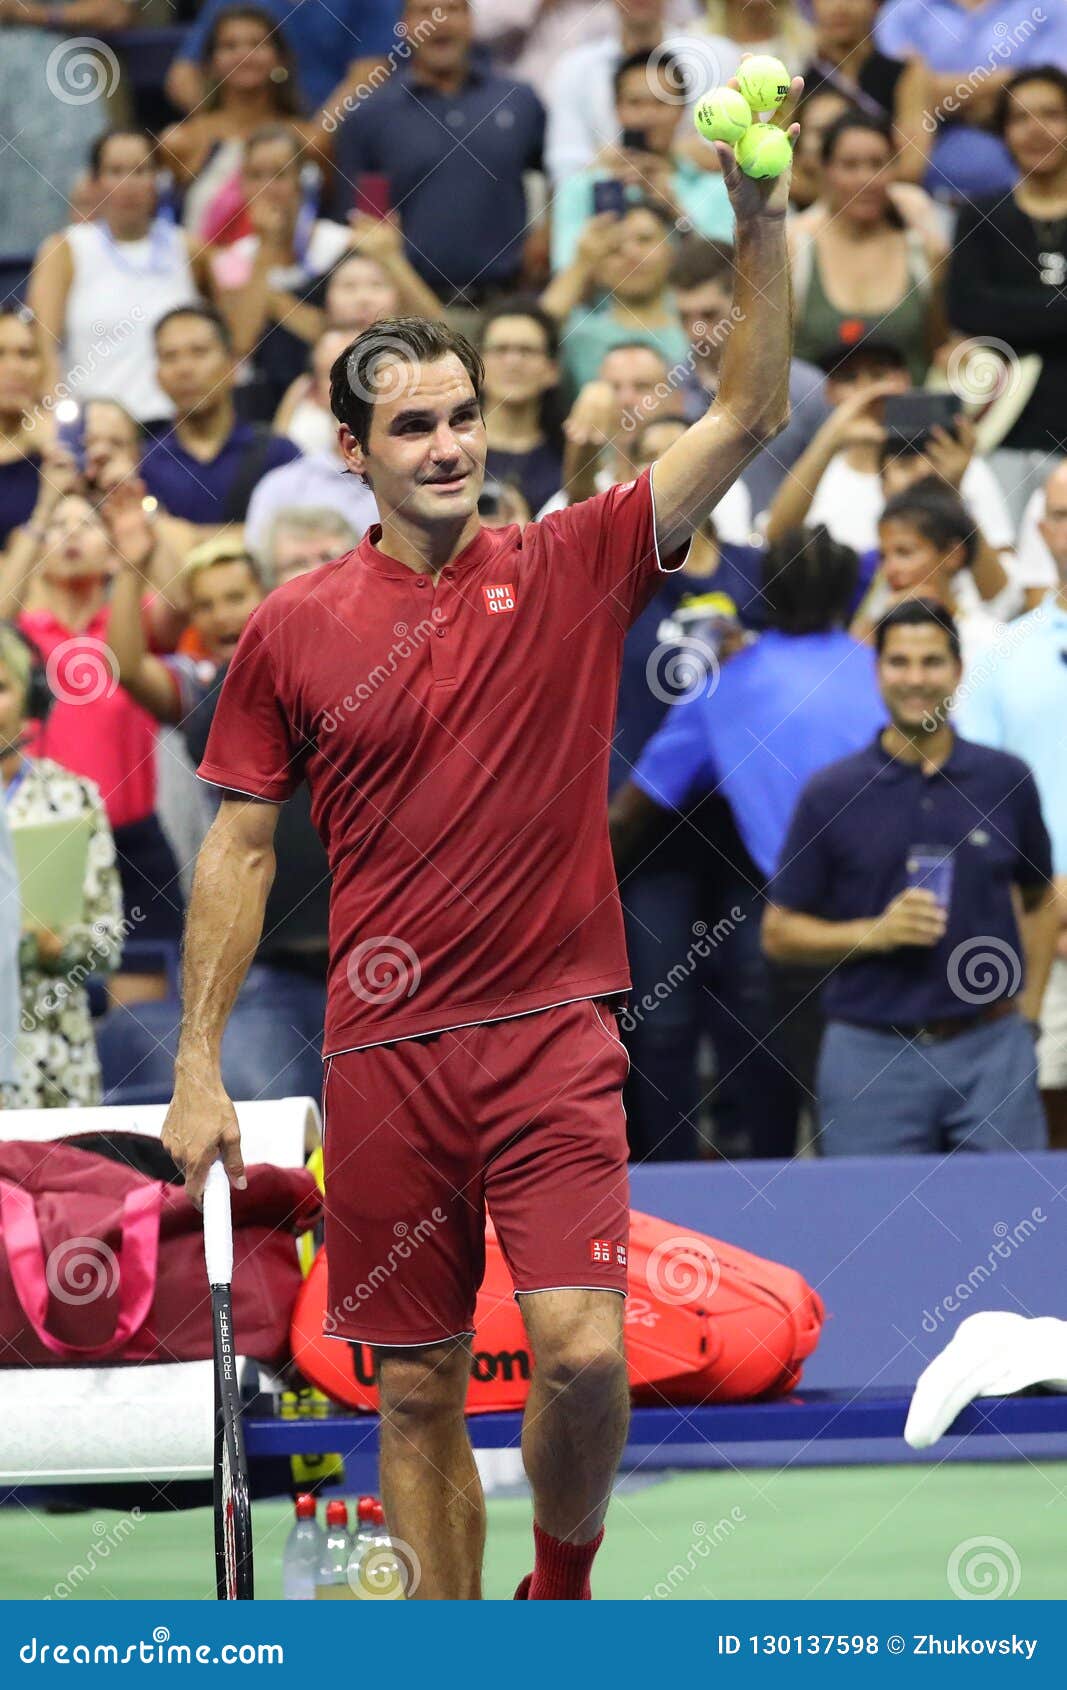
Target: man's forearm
<point x="1040" y="935"/>
<point x="789" y="936"/>
<point x="223" y="928"/>
<point x="754" y="382"/>
<point x="793" y="500"/>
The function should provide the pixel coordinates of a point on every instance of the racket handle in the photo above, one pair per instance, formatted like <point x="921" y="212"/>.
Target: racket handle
<point x="218" y="1233"/>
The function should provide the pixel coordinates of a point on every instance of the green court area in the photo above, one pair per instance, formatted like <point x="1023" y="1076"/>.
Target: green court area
<point x="876" y="1532"/>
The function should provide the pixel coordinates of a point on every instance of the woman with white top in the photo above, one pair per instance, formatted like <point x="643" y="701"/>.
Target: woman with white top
<point x="99" y="288"/>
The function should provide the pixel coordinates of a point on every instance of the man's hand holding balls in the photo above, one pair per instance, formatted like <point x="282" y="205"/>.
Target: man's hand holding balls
<point x="730" y="117"/>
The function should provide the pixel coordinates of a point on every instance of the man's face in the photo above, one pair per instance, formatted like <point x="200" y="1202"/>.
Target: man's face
<point x="634" y="373"/>
<point x="296" y="554"/>
<point x="270" y="175"/>
<point x="110" y="442"/>
<point x="912" y="563"/>
<point x="844" y="23"/>
<point x="517" y="365"/>
<point x="1053" y="524"/>
<point x="440" y="33"/>
<point x="221" y="599"/>
<point x="643" y="103"/>
<point x="358" y="294"/>
<point x="638" y="265"/>
<point x="425" y="454"/>
<point x="195" y="369"/>
<point x="917" y="673"/>
<point x="705" y="313"/>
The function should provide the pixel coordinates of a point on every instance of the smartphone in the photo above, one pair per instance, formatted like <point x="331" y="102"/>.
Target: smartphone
<point x="609" y="196"/>
<point x="70" y="430"/>
<point x="634" y="141"/>
<point x="373" y="195"/>
<point x="910" y="416"/>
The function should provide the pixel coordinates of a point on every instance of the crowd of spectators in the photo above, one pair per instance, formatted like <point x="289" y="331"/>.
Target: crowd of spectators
<point x="838" y="788"/>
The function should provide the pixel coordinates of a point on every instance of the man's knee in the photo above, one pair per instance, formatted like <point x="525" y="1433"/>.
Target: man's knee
<point x="423" y="1387"/>
<point x="583" y="1358"/>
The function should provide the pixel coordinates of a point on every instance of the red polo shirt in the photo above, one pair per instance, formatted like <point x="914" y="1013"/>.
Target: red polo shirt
<point x="94" y="727"/>
<point x="455" y="740"/>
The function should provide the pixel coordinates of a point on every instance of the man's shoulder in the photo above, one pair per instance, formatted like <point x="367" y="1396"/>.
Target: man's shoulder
<point x="1001" y="769"/>
<point x="843" y="778"/>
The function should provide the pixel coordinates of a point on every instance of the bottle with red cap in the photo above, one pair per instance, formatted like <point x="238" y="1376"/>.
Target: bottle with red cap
<point x="332" y="1580"/>
<point x="303" y="1552"/>
<point x="381" y="1575"/>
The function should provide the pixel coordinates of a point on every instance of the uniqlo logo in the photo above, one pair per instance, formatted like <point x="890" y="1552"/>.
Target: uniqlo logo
<point x="620" y="1255"/>
<point x="499" y="598"/>
<point x="600" y="1250"/>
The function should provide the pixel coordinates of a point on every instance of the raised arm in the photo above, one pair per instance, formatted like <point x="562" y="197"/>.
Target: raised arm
<point x="222" y="929"/>
<point x="752" y="404"/>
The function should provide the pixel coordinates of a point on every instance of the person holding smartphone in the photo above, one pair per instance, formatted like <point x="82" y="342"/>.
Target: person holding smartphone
<point x="644" y="164"/>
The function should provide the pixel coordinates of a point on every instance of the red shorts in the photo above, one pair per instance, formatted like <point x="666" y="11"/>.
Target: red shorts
<point x="524" y="1116"/>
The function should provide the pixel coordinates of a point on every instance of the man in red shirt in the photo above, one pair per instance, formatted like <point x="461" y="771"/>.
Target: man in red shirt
<point x="448" y="692"/>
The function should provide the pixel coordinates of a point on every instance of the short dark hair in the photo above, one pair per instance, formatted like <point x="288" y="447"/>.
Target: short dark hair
<point x="268" y="133"/>
<point x="1034" y="73"/>
<point x="934" y="511"/>
<point x="809" y="581"/>
<point x="918" y="613"/>
<point x="660" y="59"/>
<point x="96" y="151"/>
<point x="416" y="340"/>
<point x="204" y="313"/>
<point x="699" y="261"/>
<point x="840" y="361"/>
<point x="848" y="121"/>
<point x="522" y="306"/>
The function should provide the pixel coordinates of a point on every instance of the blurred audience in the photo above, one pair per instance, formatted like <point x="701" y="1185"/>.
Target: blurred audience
<point x="303" y="538"/>
<point x="846" y="60"/>
<point x="21" y="420"/>
<point x="1007" y="279"/>
<point x="520" y="346"/>
<point x="645" y="161"/>
<point x="1019" y="704"/>
<point x="56" y="1065"/>
<point x="527" y="38"/>
<point x="250" y="83"/>
<point x="453" y="140"/>
<point x="857" y="268"/>
<point x="98" y="289"/>
<point x="909" y="908"/>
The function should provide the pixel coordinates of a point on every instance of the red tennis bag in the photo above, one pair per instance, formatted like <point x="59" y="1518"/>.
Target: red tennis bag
<point x="99" y="1262"/>
<point x="705" y="1322"/>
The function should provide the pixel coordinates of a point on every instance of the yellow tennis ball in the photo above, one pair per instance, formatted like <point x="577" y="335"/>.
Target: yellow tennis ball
<point x="763" y="81"/>
<point x="763" y="150"/>
<point x="723" y="116"/>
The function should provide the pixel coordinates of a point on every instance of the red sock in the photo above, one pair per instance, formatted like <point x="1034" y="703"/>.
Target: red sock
<point x="561" y="1570"/>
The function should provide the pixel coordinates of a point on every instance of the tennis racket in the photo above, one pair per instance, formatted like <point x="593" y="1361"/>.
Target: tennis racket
<point x="233" y="1508"/>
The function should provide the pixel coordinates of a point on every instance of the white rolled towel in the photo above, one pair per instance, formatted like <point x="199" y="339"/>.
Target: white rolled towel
<point x="990" y="1355"/>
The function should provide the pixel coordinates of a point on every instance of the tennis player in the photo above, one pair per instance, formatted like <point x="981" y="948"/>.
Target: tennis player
<point x="448" y="692"/>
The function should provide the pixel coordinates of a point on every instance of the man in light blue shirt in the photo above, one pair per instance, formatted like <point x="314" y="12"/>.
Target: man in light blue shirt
<point x="1017" y="702"/>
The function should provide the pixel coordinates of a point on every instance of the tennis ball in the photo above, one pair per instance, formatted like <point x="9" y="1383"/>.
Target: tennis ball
<point x="763" y="81"/>
<point x="763" y="150"/>
<point x="723" y="116"/>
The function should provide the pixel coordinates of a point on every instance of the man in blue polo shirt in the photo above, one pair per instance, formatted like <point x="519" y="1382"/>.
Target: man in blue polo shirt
<point x="454" y="139"/>
<point x="205" y="467"/>
<point x="898" y="878"/>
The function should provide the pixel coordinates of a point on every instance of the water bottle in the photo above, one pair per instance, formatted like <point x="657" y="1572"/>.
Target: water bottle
<point x="332" y="1580"/>
<point x="383" y="1576"/>
<point x="302" y="1552"/>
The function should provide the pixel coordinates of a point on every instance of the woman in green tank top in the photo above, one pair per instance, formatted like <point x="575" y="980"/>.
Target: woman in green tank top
<point x="859" y="273"/>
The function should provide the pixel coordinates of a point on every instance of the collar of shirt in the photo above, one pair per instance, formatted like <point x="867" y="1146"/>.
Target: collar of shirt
<point x="46" y="625"/>
<point x="368" y="554"/>
<point x="957" y="764"/>
<point x="479" y="69"/>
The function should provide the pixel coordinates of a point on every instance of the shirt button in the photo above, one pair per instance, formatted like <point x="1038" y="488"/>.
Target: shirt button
<point x="927" y="804"/>
<point x="420" y="580"/>
<point x="441" y="632"/>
